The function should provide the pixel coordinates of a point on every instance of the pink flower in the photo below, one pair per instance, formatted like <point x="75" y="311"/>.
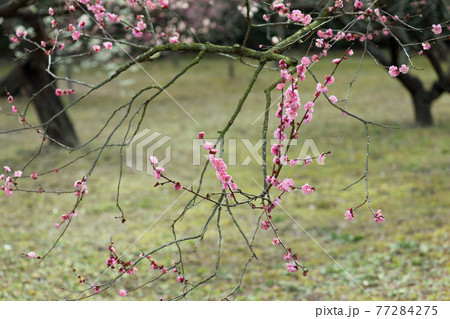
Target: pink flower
<point x="141" y="25"/>
<point x="265" y="225"/>
<point x="17" y="173"/>
<point x="57" y="225"/>
<point x="306" y="61"/>
<point x="308" y="161"/>
<point x="276" y="242"/>
<point x="96" y="289"/>
<point x="287" y="257"/>
<point x="208" y="146"/>
<point x="13" y="108"/>
<point x="10" y="99"/>
<point x="110" y="261"/>
<point x="329" y="79"/>
<point x="201" y="135"/>
<point x="321" y="158"/>
<point x="321" y="88"/>
<point x="175" y="38"/>
<point x="81" y="24"/>
<point x="177" y="186"/>
<point x="358" y="4"/>
<point x="136" y="32"/>
<point x="336" y="61"/>
<point x="132" y="271"/>
<point x="180" y="279"/>
<point x="108" y="45"/>
<point x="426" y="46"/>
<point x="81" y="187"/>
<point x="393" y="71"/>
<point x="163" y="3"/>
<point x="112" y="17"/>
<point x="286" y="185"/>
<point x="308" y="105"/>
<point x="307" y="19"/>
<point x="333" y="99"/>
<point x="31" y="254"/>
<point x="58" y="92"/>
<point x="306" y="189"/>
<point x="50" y="11"/>
<point x="76" y="35"/>
<point x="378" y="217"/>
<point x="437" y="29"/>
<point x="157" y="172"/>
<point x="122" y="293"/>
<point x="153" y="160"/>
<point x="96" y="48"/>
<point x="280" y="86"/>
<point x="34" y="175"/>
<point x="296" y="15"/>
<point x="54" y="23"/>
<point x="266" y="17"/>
<point x="404" y="69"/>
<point x="291" y="267"/>
<point x="349" y="214"/>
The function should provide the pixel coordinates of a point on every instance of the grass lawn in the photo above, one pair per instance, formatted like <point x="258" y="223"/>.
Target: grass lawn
<point x="406" y="258"/>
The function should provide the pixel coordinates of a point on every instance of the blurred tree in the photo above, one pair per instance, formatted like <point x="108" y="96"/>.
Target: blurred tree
<point x="31" y="76"/>
<point x="396" y="45"/>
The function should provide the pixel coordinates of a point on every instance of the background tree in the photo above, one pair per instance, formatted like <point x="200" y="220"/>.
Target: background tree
<point x="30" y="74"/>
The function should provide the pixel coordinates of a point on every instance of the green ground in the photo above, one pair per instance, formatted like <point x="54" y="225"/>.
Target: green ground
<point x="404" y="259"/>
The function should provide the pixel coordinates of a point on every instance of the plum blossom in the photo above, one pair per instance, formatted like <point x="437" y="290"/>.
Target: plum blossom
<point x="122" y="293"/>
<point x="180" y="279"/>
<point x="286" y="185"/>
<point x="436" y="29"/>
<point x="34" y="175"/>
<point x="296" y="16"/>
<point x="17" y="173"/>
<point x="153" y="160"/>
<point x="81" y="187"/>
<point x="113" y="17"/>
<point x="404" y="69"/>
<point x="276" y="242"/>
<point x="163" y="3"/>
<point x="201" y="135"/>
<point x="157" y="172"/>
<point x="31" y="254"/>
<point x="175" y="38"/>
<point x="378" y="218"/>
<point x="108" y="45"/>
<point x="349" y="214"/>
<point x="96" y="48"/>
<point x="426" y="46"/>
<point x="178" y="186"/>
<point x="287" y="257"/>
<point x="291" y="267"/>
<point x="393" y="71"/>
<point x="76" y="35"/>
<point x="306" y="189"/>
<point x="333" y="99"/>
<point x="265" y="225"/>
<point x="321" y="158"/>
<point x="208" y="146"/>
<point x="358" y="4"/>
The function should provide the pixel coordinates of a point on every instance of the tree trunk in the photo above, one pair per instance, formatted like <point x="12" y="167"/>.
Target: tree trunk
<point x="35" y="82"/>
<point x="33" y="78"/>
<point x="422" y="109"/>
